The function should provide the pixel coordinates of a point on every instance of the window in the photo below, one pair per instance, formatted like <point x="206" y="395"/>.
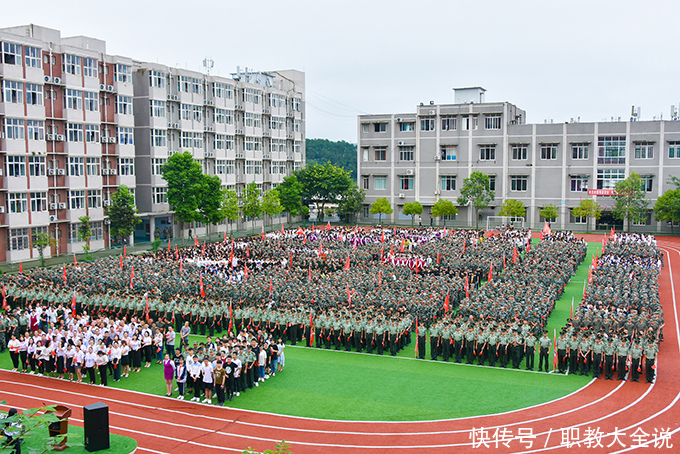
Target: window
<point x="14" y="91"/>
<point x="469" y="122"/>
<point x="221" y="90"/>
<point x="448" y="123"/>
<point x="252" y="95"/>
<point x="97" y="229"/>
<point x="184" y="84"/>
<point x="18" y="239"/>
<point x="487" y="152"/>
<point x="406" y="182"/>
<point x="229" y="142"/>
<point x="156" y="79"/>
<point x="32" y="55"/>
<point x="91" y="133"/>
<point x="196" y="86"/>
<point x="36" y="166"/>
<point x="379" y="127"/>
<point x="222" y="116"/>
<point x="124" y="105"/>
<point x="125" y="136"/>
<point x="549" y="151"/>
<point x="198" y="113"/>
<point x="276" y="100"/>
<point x="644" y="150"/>
<point x="157" y="108"/>
<point x="18" y="203"/>
<point x="449" y="152"/>
<point x="380" y="153"/>
<point x="250" y="167"/>
<point x="16" y="166"/>
<point x="158" y="137"/>
<point x="219" y="142"/>
<point x="219" y="167"/>
<point x="94" y="198"/>
<point x="492" y="182"/>
<point x="518" y="183"/>
<point x="611" y="150"/>
<point x="38" y="201"/>
<point x="14" y="128"/>
<point x="297" y="165"/>
<point x="492" y="122"/>
<point x="253" y="144"/>
<point x="646" y="220"/>
<point x="364" y="183"/>
<point x="448" y="183"/>
<point x="364" y="153"/>
<point x="579" y="183"/>
<point x="407" y="126"/>
<point x="72" y="64"/>
<point x="74" y="99"/>
<point x="579" y="151"/>
<point x="647" y="182"/>
<point x="230" y="167"/>
<point x="278" y="167"/>
<point x="77" y="200"/>
<point x="277" y="123"/>
<point x="519" y="152"/>
<point x="577" y="219"/>
<point x="297" y="125"/>
<point x="297" y="102"/>
<point x="364" y="128"/>
<point x="73" y="233"/>
<point x="607" y="178"/>
<point x="297" y="146"/>
<point x="76" y="167"/>
<point x="427" y="124"/>
<point x="34" y="94"/>
<point x="93" y="165"/>
<point x="90" y="67"/>
<point x="122" y="73"/>
<point x="185" y="111"/>
<point x="11" y="54"/>
<point x="198" y="140"/>
<point x="406" y="153"/>
<point x="157" y="166"/>
<point x="35" y="129"/>
<point x="75" y="132"/>
<point x="187" y="139"/>
<point x="126" y="166"/>
<point x="380" y="182"/>
<point x="674" y="149"/>
<point x="367" y="211"/>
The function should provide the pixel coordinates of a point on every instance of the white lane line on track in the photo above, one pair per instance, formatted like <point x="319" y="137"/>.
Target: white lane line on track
<point x="150" y="450"/>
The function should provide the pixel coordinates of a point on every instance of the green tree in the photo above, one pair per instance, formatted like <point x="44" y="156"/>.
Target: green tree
<point x="84" y="234"/>
<point x="351" y="202"/>
<point x="340" y="154"/>
<point x="413" y="208"/>
<point x="271" y="205"/>
<point x="41" y="241"/>
<point x="630" y="202"/>
<point x="31" y="426"/>
<point x="122" y="213"/>
<point x="290" y="195"/>
<point x="587" y="209"/>
<point x="251" y="202"/>
<point x="444" y="207"/>
<point x="230" y="205"/>
<point x="513" y="207"/>
<point x="476" y="190"/>
<point x="674" y="181"/>
<point x="322" y="184"/>
<point x="380" y="207"/>
<point x="549" y="212"/>
<point x="210" y="201"/>
<point x="667" y="207"/>
<point x="184" y="177"/>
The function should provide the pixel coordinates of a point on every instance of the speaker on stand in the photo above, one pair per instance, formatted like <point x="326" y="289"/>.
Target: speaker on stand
<point x="96" y="427"/>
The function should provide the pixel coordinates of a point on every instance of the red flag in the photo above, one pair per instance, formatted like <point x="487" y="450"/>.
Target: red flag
<point x="75" y="259"/>
<point x="349" y="296"/>
<point x="437" y="257"/>
<point x="382" y="237"/>
<point x="541" y="235"/>
<point x="248" y="250"/>
<point x="381" y="255"/>
<point x="328" y="226"/>
<point x="176" y="253"/>
<point x="347" y="262"/>
<point x="146" y="309"/>
<point x="503" y="262"/>
<point x="231" y="258"/>
<point x="304" y="239"/>
<point x="132" y="277"/>
<point x="124" y="249"/>
<point x="21" y="268"/>
<point x="290" y="262"/>
<point x="169" y="245"/>
<point x="546" y="229"/>
<point x="282" y="231"/>
<point x="392" y="249"/>
<point x="73" y="304"/>
<point x="310" y="274"/>
<point x="354" y="247"/>
<point x="203" y="249"/>
<point x="446" y="303"/>
<point x="245" y="276"/>
<point x="613" y="230"/>
<point x="270" y="286"/>
<point x="555" y="350"/>
<point x="121" y="263"/>
<point x="490" y="272"/>
<point x="514" y="254"/>
<point x="200" y="285"/>
<point x="416" y="337"/>
<point x="4" y="299"/>
<point x="225" y="237"/>
<point x="379" y="278"/>
<point x="403" y="243"/>
<point x="320" y="249"/>
<point x="467" y="287"/>
<point x="65" y="278"/>
<point x="262" y="233"/>
<point x="231" y="318"/>
<point x="464" y="243"/>
<point x="300" y="231"/>
<point x="196" y="243"/>
<point x="311" y="327"/>
<point x="180" y="267"/>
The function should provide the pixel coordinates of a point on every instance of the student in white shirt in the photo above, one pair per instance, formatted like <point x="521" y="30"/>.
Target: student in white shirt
<point x="208" y="380"/>
<point x="89" y="363"/>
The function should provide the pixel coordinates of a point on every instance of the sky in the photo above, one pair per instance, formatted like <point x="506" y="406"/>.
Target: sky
<point x="556" y="60"/>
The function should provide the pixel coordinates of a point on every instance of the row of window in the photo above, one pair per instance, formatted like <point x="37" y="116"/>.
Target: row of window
<point x="447" y="123"/>
<point x="76" y="167"/>
<point x="18" y="239"/>
<point x="606" y="179"/>
<point x="610" y="150"/>
<point x="19" y="129"/>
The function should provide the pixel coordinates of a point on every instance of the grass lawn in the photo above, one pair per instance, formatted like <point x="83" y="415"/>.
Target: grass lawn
<point x="331" y="384"/>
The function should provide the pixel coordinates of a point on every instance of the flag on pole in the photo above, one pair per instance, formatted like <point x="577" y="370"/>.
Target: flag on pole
<point x="132" y="277"/>
<point x="181" y="268"/>
<point x="349" y="296"/>
<point x="203" y="249"/>
<point x="416" y="337"/>
<point x="270" y="286"/>
<point x="225" y="236"/>
<point x="146" y="309"/>
<point x="554" y="350"/>
<point x="320" y="248"/>
<point x="200" y="285"/>
<point x="392" y="249"/>
<point x="282" y="231"/>
<point x="73" y="304"/>
<point x="310" y="274"/>
<point x="613" y="231"/>
<point x="124" y="249"/>
<point x="75" y="259"/>
<point x="464" y="243"/>
<point x="379" y="278"/>
<point x="572" y="307"/>
<point x="262" y="233"/>
<point x="248" y="250"/>
<point x="382" y="237"/>
<point x="311" y="327"/>
<point x="381" y="254"/>
<point x="4" y="298"/>
<point x="503" y="262"/>
<point x="403" y="243"/>
<point x="196" y="243"/>
<point x="490" y="272"/>
<point x="21" y="268"/>
<point x="328" y="226"/>
<point x="514" y="254"/>
<point x="65" y="277"/>
<point x="231" y="258"/>
<point x="437" y="257"/>
<point x="121" y="263"/>
<point x="245" y="272"/>
<point x="467" y="287"/>
<point x="231" y="319"/>
<point x="176" y="253"/>
<point x="446" y="304"/>
<point x="347" y="263"/>
<point x="546" y="229"/>
<point x="169" y="245"/>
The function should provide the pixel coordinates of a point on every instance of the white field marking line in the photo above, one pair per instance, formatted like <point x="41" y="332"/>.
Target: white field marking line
<point x="150" y="450"/>
<point x="669" y="406"/>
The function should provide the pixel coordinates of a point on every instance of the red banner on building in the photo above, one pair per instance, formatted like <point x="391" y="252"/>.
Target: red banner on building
<point x="607" y="192"/>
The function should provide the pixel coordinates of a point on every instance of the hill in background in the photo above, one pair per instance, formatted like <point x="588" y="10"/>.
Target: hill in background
<point x="342" y="154"/>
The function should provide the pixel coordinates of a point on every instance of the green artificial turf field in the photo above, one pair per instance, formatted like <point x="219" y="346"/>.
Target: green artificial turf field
<point x="331" y="384"/>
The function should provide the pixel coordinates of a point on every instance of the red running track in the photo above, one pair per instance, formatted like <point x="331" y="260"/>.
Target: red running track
<point x="605" y="416"/>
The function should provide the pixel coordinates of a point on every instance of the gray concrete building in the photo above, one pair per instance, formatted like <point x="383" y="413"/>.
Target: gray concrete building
<point x="426" y="155"/>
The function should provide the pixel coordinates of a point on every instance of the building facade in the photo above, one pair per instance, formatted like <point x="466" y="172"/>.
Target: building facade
<point x="426" y="155"/>
<point x="78" y="122"/>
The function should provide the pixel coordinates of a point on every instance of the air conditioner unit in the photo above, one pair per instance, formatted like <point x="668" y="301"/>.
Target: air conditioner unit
<point x="402" y="195"/>
<point x="409" y="172"/>
<point x="105" y="171"/>
<point x="57" y="80"/>
<point x="401" y="142"/>
<point x="50" y="137"/>
<point x="170" y="153"/>
<point x="113" y="171"/>
<point x="169" y="96"/>
<point x="62" y="206"/>
<point x="437" y="192"/>
<point x="268" y="111"/>
<point x="175" y="97"/>
<point x="60" y="138"/>
<point x="176" y="125"/>
<point x="48" y="79"/>
<point x="2" y="210"/>
<point x="399" y="119"/>
<point x="53" y="218"/>
<point x="104" y="139"/>
<point x="61" y="171"/>
<point x="206" y="154"/>
<point x="51" y="171"/>
<point x="437" y="157"/>
<point x="107" y="203"/>
<point x="433" y="112"/>
<point x="53" y="206"/>
<point x="102" y="87"/>
<point x="107" y="221"/>
<point x="109" y="87"/>
<point x="112" y="140"/>
<point x="169" y="125"/>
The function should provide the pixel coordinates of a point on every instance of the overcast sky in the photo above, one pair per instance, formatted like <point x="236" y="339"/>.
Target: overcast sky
<point x="556" y="60"/>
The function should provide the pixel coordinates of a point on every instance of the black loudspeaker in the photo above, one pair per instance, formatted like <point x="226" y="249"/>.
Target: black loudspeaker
<point x="96" y="427"/>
